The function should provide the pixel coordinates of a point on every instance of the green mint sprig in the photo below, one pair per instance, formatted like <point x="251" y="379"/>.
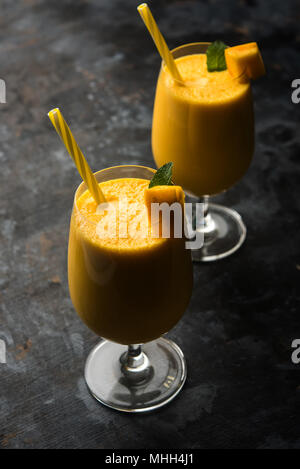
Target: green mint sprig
<point x="215" y="57"/>
<point x="163" y="176"/>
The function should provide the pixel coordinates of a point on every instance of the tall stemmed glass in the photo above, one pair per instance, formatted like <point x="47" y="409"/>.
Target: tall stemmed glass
<point x="129" y="298"/>
<point x="207" y="129"/>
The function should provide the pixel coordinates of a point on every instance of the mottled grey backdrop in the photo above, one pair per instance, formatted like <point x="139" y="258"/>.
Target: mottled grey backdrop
<point x="95" y="60"/>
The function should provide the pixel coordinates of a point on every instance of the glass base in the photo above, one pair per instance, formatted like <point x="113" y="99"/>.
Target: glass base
<point x="156" y="380"/>
<point x="224" y="232"/>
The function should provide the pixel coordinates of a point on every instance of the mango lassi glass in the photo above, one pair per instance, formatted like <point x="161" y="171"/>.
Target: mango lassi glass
<point x="129" y="290"/>
<point x="205" y="125"/>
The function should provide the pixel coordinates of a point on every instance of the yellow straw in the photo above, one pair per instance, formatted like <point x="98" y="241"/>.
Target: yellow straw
<point x="84" y="170"/>
<point x="159" y="41"/>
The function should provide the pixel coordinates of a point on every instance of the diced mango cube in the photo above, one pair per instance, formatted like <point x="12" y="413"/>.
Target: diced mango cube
<point x="161" y="194"/>
<point x="245" y="59"/>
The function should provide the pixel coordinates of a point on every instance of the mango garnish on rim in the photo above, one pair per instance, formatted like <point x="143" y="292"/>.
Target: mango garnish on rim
<point x="160" y="194"/>
<point x="245" y="59"/>
<point x="164" y="226"/>
<point x="162" y="190"/>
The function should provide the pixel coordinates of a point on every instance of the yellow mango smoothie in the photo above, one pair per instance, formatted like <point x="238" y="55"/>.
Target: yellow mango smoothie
<point x="204" y="125"/>
<point x="129" y="280"/>
<point x="126" y="285"/>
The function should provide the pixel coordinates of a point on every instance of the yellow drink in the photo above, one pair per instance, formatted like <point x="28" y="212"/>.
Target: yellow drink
<point x="205" y="126"/>
<point x="126" y="289"/>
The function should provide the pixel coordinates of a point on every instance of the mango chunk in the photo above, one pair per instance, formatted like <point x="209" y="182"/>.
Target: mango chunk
<point x="245" y="59"/>
<point x="161" y="194"/>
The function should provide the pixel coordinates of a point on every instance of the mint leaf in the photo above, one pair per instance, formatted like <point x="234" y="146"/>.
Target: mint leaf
<point x="163" y="176"/>
<point x="215" y="57"/>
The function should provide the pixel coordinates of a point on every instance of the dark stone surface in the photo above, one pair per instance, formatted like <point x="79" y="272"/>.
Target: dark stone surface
<point x="96" y="62"/>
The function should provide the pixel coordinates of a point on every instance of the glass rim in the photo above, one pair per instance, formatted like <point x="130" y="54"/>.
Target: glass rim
<point x="82" y="184"/>
<point x="191" y="84"/>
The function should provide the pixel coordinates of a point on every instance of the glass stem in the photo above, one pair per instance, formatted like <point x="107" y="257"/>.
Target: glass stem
<point x="208" y="228"/>
<point x="135" y="365"/>
<point x="134" y="356"/>
<point x="204" y="201"/>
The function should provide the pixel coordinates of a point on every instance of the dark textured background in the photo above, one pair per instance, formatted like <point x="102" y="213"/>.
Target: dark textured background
<point x="95" y="60"/>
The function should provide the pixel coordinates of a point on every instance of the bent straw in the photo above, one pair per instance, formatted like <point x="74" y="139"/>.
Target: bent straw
<point x="84" y="170"/>
<point x="159" y="41"/>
